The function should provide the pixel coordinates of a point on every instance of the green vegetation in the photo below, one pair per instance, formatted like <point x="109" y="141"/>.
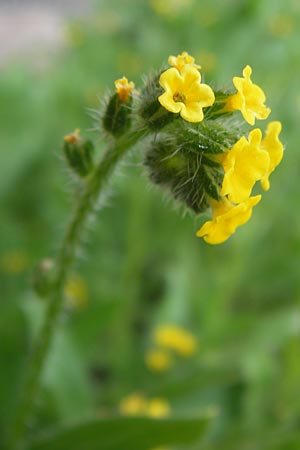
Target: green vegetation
<point x="142" y="264"/>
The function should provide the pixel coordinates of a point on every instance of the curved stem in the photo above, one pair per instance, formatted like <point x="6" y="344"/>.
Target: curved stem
<point x="66" y="257"/>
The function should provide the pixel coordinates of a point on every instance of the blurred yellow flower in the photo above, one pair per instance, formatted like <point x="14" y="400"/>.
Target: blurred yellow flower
<point x="170" y="8"/>
<point x="76" y="292"/>
<point x="13" y="262"/>
<point x="246" y="163"/>
<point x="175" y="338"/>
<point x="158" y="360"/>
<point x="158" y="408"/>
<point x="184" y="93"/>
<point x="274" y="147"/>
<point x="249" y="99"/>
<point x="133" y="405"/>
<point x="226" y="218"/>
<point x="180" y="61"/>
<point x="138" y="405"/>
<point x="124" y="88"/>
<point x="281" y="25"/>
<point x="208" y="60"/>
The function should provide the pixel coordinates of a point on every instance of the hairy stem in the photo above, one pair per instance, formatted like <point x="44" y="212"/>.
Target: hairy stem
<point x="66" y="257"/>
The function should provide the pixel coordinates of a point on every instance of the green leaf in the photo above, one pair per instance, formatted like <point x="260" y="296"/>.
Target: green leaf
<point x="125" y="433"/>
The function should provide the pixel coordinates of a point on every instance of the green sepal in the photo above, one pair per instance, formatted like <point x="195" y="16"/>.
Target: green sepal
<point x="116" y="119"/>
<point x="184" y="172"/>
<point x="79" y="155"/>
<point x="218" y="109"/>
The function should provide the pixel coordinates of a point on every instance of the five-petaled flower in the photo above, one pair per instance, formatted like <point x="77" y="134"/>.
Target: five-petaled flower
<point x="274" y="147"/>
<point x="246" y="163"/>
<point x="185" y="94"/>
<point x="124" y="88"/>
<point x="249" y="99"/>
<point x="180" y="61"/>
<point x="226" y="218"/>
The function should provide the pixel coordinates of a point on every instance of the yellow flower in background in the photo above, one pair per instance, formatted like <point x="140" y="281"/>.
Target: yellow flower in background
<point x="274" y="147"/>
<point x="14" y="262"/>
<point x="158" y="360"/>
<point x="133" y="405"/>
<point x="138" y="405"/>
<point x="158" y="408"/>
<point x="246" y="163"/>
<point x="124" y="88"/>
<point x="170" y="8"/>
<point x="281" y="25"/>
<point x="185" y="94"/>
<point x="249" y="99"/>
<point x="180" y="61"/>
<point x="208" y="60"/>
<point x="175" y="338"/>
<point x="76" y="292"/>
<point x="226" y="218"/>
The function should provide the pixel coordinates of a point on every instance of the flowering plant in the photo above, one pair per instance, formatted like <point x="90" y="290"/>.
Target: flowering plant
<point x="197" y="147"/>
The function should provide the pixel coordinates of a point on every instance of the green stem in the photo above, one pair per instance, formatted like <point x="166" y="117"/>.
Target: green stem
<point x="66" y="257"/>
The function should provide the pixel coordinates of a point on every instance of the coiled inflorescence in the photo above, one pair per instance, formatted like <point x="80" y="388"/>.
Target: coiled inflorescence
<point x="201" y="152"/>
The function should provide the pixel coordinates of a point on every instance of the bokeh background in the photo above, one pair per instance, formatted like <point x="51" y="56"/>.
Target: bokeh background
<point x="142" y="265"/>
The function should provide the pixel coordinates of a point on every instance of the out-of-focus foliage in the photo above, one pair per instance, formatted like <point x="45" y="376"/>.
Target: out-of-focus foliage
<point x="142" y="265"/>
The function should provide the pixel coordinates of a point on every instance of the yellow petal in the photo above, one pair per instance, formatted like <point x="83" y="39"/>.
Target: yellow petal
<point x="166" y="100"/>
<point x="274" y="147"/>
<point x="171" y="80"/>
<point x="244" y="164"/>
<point x="192" y="112"/>
<point x="226" y="218"/>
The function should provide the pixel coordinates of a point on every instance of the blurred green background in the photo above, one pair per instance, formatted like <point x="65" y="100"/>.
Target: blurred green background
<point x="142" y="265"/>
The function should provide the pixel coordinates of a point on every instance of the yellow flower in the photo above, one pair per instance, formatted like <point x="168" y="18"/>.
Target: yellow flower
<point x="124" y="88"/>
<point x="13" y="262"/>
<point x="133" y="405"/>
<point x="180" y="61"/>
<point x="244" y="164"/>
<point x="158" y="360"/>
<point x="76" y="292"/>
<point x="175" y="338"/>
<point x="226" y="218"/>
<point x="274" y="147"/>
<point x="157" y="408"/>
<point x="249" y="99"/>
<point x="184" y="93"/>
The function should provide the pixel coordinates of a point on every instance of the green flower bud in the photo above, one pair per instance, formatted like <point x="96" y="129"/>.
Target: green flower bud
<point x="43" y="277"/>
<point x="79" y="153"/>
<point x="117" y="116"/>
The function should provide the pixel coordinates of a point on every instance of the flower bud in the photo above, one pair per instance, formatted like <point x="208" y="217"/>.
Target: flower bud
<point x="43" y="277"/>
<point x="117" y="116"/>
<point x="79" y="153"/>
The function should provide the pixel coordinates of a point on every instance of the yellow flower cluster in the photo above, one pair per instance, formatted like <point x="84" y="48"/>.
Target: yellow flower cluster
<point x="137" y="404"/>
<point x="175" y="338"/>
<point x="205" y="160"/>
<point x="169" y="338"/>
<point x="247" y="162"/>
<point x="184" y="92"/>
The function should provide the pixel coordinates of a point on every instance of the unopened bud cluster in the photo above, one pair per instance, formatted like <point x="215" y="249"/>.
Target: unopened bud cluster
<point x="200" y="149"/>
